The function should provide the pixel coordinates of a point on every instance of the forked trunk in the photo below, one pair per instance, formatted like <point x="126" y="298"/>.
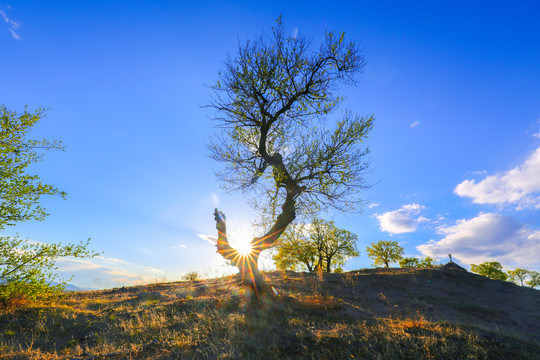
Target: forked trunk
<point x="249" y="275"/>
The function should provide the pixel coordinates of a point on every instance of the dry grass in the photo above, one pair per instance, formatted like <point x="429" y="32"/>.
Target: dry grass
<point x="362" y="315"/>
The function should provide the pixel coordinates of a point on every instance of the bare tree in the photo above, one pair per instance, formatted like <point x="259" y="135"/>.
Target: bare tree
<point x="271" y="104"/>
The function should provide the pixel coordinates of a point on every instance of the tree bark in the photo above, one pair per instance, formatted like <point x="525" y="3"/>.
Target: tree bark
<point x="249" y="275"/>
<point x="328" y="265"/>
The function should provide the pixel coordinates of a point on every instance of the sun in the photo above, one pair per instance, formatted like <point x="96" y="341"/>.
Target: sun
<point x="240" y="234"/>
<point x="244" y="247"/>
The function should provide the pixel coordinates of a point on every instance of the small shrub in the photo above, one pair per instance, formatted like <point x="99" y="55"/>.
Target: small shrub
<point x="191" y="276"/>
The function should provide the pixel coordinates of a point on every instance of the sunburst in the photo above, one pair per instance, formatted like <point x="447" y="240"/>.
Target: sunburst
<point x="244" y="247"/>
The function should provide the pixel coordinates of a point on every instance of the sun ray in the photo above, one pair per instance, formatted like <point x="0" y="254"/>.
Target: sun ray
<point x="244" y="247"/>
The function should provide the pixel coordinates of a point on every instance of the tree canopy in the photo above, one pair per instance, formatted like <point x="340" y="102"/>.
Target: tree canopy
<point x="26" y="267"/>
<point x="20" y="191"/>
<point x="385" y="252"/>
<point x="490" y="269"/>
<point x="317" y="245"/>
<point x="409" y="262"/>
<point x="273" y="102"/>
<point x="518" y="275"/>
<point x="534" y="280"/>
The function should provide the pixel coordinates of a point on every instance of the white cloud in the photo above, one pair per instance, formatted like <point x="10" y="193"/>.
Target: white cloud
<point x="477" y="172"/>
<point x="211" y="239"/>
<point x="537" y="135"/>
<point x="414" y="124"/>
<point x="105" y="272"/>
<point x="400" y="221"/>
<point x="373" y="205"/>
<point x="112" y="260"/>
<point x="179" y="246"/>
<point x="12" y="25"/>
<point x="215" y="199"/>
<point x="487" y="237"/>
<point x="519" y="186"/>
<point x="73" y="265"/>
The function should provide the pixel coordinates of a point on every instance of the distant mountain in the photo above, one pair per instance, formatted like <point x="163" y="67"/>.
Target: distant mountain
<point x="72" y="288"/>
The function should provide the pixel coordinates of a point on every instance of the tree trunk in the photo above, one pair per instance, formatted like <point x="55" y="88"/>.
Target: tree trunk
<point x="328" y="265"/>
<point x="249" y="275"/>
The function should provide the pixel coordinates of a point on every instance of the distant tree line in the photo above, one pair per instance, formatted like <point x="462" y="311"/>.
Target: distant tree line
<point x="494" y="270"/>
<point x="320" y="245"/>
<point x="388" y="252"/>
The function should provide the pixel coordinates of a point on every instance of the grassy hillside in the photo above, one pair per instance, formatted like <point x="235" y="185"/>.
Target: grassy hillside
<point x="441" y="313"/>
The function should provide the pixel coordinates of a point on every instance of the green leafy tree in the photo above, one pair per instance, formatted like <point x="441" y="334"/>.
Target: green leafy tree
<point x="26" y="268"/>
<point x="338" y="248"/>
<point x="271" y="104"/>
<point x="296" y="250"/>
<point x="191" y="276"/>
<point x="518" y="275"/>
<point x="490" y="269"/>
<point x="20" y="191"/>
<point x="319" y="244"/>
<point x="534" y="279"/>
<point x="385" y="252"/>
<point x="409" y="262"/>
<point x="427" y="262"/>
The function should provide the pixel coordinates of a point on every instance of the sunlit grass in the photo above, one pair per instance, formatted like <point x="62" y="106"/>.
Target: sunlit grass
<point x="212" y="319"/>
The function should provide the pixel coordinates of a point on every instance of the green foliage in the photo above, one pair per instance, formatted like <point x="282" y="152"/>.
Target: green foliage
<point x="385" y="252"/>
<point x="535" y="279"/>
<point x="518" y="276"/>
<point x="272" y="101"/>
<point x="19" y="191"/>
<point x="192" y="275"/>
<point x="427" y="262"/>
<point x="409" y="262"/>
<point x="318" y="245"/>
<point x="295" y="250"/>
<point x="490" y="269"/>
<point x="27" y="268"/>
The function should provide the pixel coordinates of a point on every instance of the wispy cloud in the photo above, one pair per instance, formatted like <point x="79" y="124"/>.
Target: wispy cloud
<point x="112" y="260"/>
<point x="403" y="220"/>
<point x="215" y="199"/>
<point x="211" y="239"/>
<point x="537" y="134"/>
<point x="414" y="124"/>
<point x="178" y="246"/>
<point x="519" y="186"/>
<point x="109" y="271"/>
<point x="373" y="205"/>
<point x="487" y="237"/>
<point x="12" y="25"/>
<point x="477" y="172"/>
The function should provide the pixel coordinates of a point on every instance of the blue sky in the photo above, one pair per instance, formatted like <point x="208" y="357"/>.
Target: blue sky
<point x="455" y="151"/>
